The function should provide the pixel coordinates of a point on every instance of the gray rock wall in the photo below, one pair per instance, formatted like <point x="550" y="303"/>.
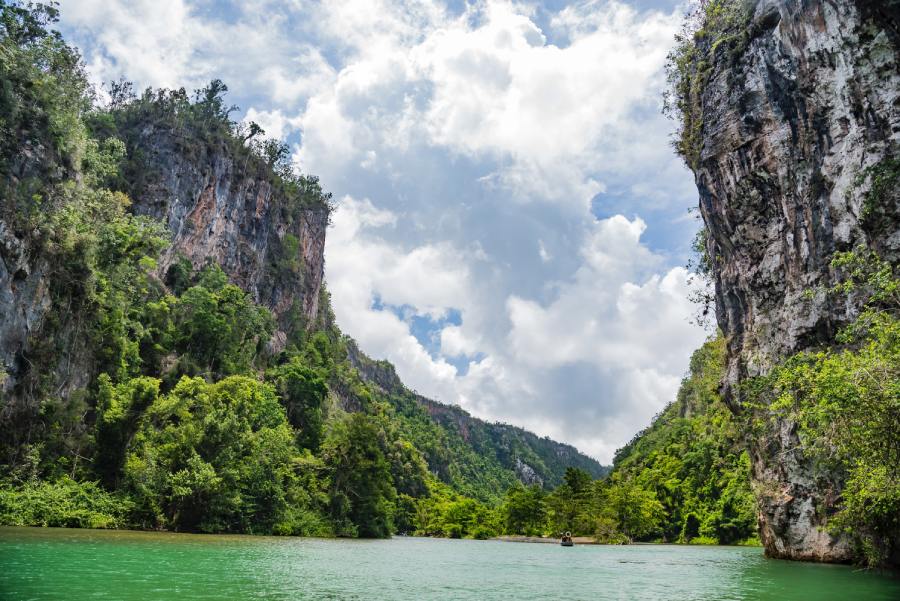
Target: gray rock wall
<point x="218" y="209"/>
<point x="788" y="126"/>
<point x="224" y="210"/>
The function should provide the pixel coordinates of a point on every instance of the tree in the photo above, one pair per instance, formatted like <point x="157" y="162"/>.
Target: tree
<point x="569" y="506"/>
<point x="635" y="511"/>
<point x="302" y="391"/>
<point x="524" y="510"/>
<point x="214" y="458"/>
<point x="119" y="410"/>
<point x="361" y="489"/>
<point x="220" y="329"/>
<point x="578" y="481"/>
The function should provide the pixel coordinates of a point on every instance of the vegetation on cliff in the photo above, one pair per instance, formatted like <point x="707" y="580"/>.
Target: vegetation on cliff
<point x="845" y="402"/>
<point x="714" y="32"/>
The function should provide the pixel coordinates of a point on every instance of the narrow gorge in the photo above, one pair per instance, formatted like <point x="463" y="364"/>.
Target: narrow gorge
<point x="170" y="359"/>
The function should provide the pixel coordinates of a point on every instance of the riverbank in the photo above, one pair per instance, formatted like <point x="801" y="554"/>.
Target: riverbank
<point x="578" y="540"/>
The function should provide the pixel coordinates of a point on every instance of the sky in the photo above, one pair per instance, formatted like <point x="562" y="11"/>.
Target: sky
<point x="512" y="224"/>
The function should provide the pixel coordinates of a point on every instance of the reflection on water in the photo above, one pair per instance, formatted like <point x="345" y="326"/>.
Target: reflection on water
<point x="81" y="564"/>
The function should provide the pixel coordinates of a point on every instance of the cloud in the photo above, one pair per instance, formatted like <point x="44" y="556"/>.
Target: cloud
<point x="178" y="43"/>
<point x="509" y="220"/>
<point x="144" y="39"/>
<point x="363" y="267"/>
<point x="621" y="332"/>
<point x="547" y="115"/>
<point x="592" y="364"/>
<point x="275" y="123"/>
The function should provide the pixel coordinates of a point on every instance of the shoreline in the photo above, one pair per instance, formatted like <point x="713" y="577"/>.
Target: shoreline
<point x="587" y="540"/>
<point x="515" y="538"/>
<point x="508" y="538"/>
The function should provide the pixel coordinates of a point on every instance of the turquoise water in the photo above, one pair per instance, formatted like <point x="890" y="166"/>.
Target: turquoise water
<point x="93" y="564"/>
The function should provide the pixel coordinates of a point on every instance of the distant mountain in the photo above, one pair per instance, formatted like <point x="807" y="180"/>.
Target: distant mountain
<point x="478" y="458"/>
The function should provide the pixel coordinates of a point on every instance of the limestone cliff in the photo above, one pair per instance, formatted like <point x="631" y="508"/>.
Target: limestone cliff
<point x="801" y="105"/>
<point x="221" y="204"/>
<point x="224" y="207"/>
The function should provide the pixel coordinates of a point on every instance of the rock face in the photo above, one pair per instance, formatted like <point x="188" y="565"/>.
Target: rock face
<point x="219" y="208"/>
<point x="25" y="298"/>
<point x="792" y="125"/>
<point x="225" y="210"/>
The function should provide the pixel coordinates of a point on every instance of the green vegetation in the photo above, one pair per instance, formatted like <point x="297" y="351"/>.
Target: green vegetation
<point x="524" y="511"/>
<point x="362" y="494"/>
<point x="208" y="457"/>
<point x="691" y="459"/>
<point x="845" y="400"/>
<point x="44" y="94"/>
<point x="187" y="420"/>
<point x="476" y="458"/>
<point x="714" y="28"/>
<point x="884" y="181"/>
<point x="683" y="479"/>
<point x="63" y="503"/>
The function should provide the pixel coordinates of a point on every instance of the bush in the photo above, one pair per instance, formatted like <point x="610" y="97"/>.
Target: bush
<point x="845" y="401"/>
<point x="215" y="458"/>
<point x="703" y="540"/>
<point x="63" y="503"/>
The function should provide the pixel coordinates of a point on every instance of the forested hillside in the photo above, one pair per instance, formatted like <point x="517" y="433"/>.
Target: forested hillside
<point x="685" y="478"/>
<point x="692" y="459"/>
<point x="169" y="356"/>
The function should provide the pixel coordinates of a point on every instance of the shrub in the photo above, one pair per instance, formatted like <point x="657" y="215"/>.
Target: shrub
<point x="63" y="503"/>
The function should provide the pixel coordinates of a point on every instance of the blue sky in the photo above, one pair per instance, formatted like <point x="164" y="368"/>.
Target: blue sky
<point x="511" y="220"/>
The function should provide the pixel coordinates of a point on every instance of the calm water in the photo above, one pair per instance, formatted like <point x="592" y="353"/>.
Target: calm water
<point x="92" y="564"/>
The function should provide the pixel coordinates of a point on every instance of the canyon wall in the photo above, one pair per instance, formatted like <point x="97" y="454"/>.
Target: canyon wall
<point x="796" y="118"/>
<point x="225" y="208"/>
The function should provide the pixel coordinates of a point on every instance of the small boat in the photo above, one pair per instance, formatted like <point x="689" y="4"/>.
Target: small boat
<point x="567" y="540"/>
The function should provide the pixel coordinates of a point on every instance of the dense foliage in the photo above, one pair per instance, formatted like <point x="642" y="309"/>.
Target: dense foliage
<point x="683" y="479"/>
<point x="476" y="458"/>
<point x="187" y="420"/>
<point x="63" y="503"/>
<point x="845" y="400"/>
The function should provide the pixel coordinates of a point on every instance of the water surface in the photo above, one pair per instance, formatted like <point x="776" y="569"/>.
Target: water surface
<point x="66" y="564"/>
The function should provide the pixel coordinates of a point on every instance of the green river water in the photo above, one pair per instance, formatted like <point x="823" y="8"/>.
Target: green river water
<point x="92" y="564"/>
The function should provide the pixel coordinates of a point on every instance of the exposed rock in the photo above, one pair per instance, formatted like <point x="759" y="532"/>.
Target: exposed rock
<point x="24" y="299"/>
<point x="222" y="211"/>
<point x="381" y="373"/>
<point x="218" y="210"/>
<point x="789" y="124"/>
<point x="527" y="474"/>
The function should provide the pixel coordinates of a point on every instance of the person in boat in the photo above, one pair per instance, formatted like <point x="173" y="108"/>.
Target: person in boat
<point x="567" y="540"/>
